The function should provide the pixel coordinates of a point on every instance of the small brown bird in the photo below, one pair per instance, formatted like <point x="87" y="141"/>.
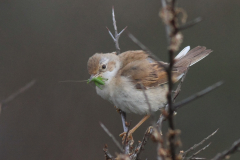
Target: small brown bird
<point x="127" y="73"/>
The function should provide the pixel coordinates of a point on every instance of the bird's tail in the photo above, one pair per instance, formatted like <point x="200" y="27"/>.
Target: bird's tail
<point x="188" y="58"/>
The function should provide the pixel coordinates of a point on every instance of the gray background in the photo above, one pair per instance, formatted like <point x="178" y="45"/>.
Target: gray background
<point x="51" y="40"/>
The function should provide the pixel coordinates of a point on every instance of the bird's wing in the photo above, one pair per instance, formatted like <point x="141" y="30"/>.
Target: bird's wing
<point x="142" y="70"/>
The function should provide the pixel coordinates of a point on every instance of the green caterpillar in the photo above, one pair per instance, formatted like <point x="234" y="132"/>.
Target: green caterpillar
<point x="98" y="81"/>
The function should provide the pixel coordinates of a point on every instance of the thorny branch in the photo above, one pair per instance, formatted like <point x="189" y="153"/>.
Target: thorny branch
<point x="176" y="93"/>
<point x="193" y="156"/>
<point x="141" y="145"/>
<point x="174" y="37"/>
<point x="169" y="16"/>
<point x="197" y="95"/>
<point x="234" y="148"/>
<point x="117" y="35"/>
<point x="174" y="42"/>
<point x="116" y="41"/>
<point x="162" y="117"/>
<point x="190" y="24"/>
<point x="198" y="144"/>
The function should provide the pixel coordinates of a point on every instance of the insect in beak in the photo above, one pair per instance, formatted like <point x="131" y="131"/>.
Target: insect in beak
<point x="98" y="80"/>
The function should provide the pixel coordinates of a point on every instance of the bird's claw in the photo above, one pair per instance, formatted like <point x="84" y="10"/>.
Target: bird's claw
<point x="127" y="139"/>
<point x="117" y="109"/>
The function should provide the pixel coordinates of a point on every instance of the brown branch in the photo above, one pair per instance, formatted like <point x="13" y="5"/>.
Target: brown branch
<point x="176" y="93"/>
<point x="111" y="136"/>
<point x="197" y="95"/>
<point x="198" y="144"/>
<point x="234" y="148"/>
<point x="172" y="30"/>
<point x="141" y="146"/>
<point x="108" y="156"/>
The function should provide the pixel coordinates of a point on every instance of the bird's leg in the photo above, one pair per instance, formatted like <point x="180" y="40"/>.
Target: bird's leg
<point x="123" y="135"/>
<point x="123" y="117"/>
<point x="118" y="110"/>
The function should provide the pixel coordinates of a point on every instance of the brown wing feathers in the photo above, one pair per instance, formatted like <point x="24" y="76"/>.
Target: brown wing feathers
<point x="137" y="66"/>
<point x="141" y="69"/>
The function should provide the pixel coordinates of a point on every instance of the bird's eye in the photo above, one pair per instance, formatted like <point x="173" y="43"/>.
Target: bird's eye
<point x="104" y="66"/>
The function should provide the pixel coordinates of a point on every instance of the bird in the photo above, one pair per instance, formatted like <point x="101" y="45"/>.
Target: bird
<point x="127" y="74"/>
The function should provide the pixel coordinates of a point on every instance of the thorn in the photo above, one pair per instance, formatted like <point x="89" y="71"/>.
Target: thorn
<point x="111" y="34"/>
<point x="191" y="23"/>
<point x="122" y="31"/>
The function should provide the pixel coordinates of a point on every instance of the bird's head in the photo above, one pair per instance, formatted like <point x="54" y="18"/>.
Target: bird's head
<point x="103" y="66"/>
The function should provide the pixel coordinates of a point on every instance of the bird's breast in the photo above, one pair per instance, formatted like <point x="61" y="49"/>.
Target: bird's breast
<point x="131" y="100"/>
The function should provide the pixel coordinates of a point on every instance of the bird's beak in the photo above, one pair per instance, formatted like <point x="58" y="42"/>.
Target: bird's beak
<point x="92" y="76"/>
<point x="90" y="79"/>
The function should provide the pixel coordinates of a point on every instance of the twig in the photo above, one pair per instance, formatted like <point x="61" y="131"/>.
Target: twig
<point x="192" y="156"/>
<point x="176" y="93"/>
<point x="111" y="136"/>
<point x="167" y="28"/>
<point x="123" y="117"/>
<point x="117" y="35"/>
<point x="148" y="103"/>
<point x="126" y="144"/>
<point x="190" y="24"/>
<point x="144" y="142"/>
<point x="107" y="154"/>
<point x="196" y="145"/>
<point x="178" y="90"/>
<point x="197" y="95"/>
<point x="160" y="122"/>
<point x="234" y="148"/>
<point x="125" y="129"/>
<point x="142" y="46"/>
<point x="17" y="93"/>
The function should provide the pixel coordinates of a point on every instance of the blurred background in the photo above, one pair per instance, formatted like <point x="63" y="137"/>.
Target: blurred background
<point x="51" y="41"/>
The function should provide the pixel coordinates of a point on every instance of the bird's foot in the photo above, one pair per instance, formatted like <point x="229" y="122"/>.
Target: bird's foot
<point x="127" y="137"/>
<point x="117" y="109"/>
